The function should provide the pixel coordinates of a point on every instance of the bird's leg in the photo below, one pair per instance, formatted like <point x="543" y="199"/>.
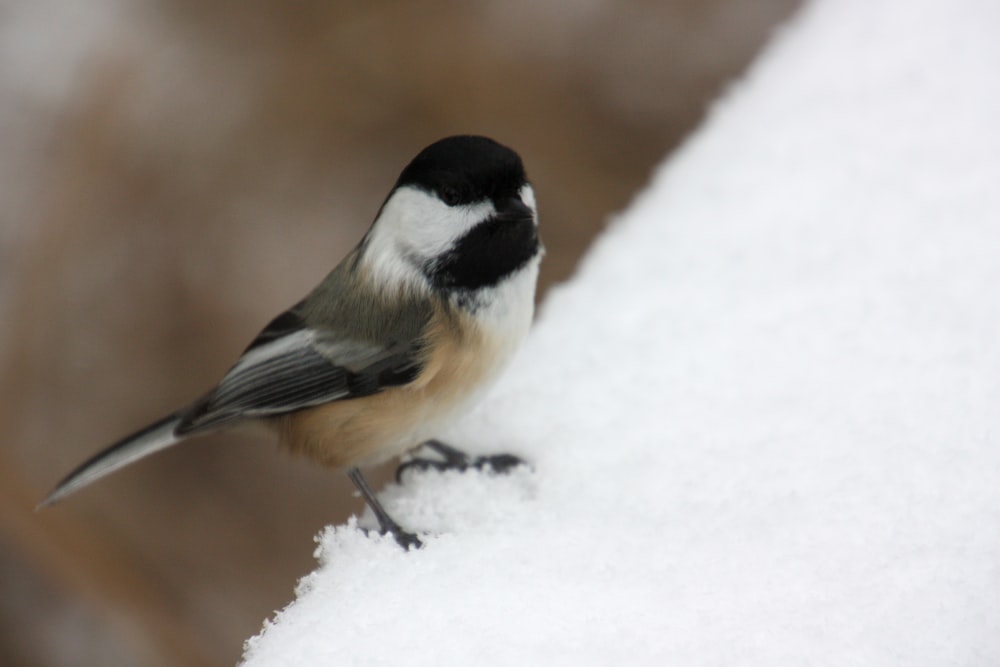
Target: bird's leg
<point x="455" y="459"/>
<point x="386" y="523"/>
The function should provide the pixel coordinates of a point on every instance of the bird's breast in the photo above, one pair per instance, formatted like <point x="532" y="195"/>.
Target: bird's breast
<point x="465" y="351"/>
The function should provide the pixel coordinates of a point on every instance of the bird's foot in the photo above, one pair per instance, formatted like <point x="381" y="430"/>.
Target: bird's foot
<point x="455" y="459"/>
<point x="387" y="525"/>
<point x="403" y="538"/>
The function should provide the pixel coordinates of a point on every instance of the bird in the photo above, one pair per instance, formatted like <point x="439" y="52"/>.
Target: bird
<point x="397" y="342"/>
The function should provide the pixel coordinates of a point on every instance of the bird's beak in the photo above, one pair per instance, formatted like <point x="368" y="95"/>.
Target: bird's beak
<point x="514" y="210"/>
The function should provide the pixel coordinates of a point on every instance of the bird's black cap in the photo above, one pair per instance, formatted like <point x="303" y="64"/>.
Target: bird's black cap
<point x="465" y="169"/>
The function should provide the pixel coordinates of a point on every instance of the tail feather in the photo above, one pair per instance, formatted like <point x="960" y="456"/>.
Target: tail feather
<point x="153" y="438"/>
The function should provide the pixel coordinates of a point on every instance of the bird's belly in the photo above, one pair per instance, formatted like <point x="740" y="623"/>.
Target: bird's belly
<point x="371" y="429"/>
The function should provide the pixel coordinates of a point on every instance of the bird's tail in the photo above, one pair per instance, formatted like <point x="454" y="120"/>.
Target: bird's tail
<point x="153" y="438"/>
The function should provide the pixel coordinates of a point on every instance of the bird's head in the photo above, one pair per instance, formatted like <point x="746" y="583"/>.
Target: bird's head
<point x="461" y="217"/>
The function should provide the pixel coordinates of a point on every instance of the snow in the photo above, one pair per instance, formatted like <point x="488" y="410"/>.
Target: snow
<point x="763" y="418"/>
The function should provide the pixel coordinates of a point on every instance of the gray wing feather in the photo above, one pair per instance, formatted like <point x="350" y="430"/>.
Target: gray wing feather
<point x="300" y="370"/>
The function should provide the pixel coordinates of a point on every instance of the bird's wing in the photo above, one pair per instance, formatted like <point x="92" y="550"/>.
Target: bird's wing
<point x="287" y="367"/>
<point x="291" y="366"/>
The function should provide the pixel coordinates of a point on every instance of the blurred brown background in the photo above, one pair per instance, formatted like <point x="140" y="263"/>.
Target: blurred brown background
<point x="175" y="172"/>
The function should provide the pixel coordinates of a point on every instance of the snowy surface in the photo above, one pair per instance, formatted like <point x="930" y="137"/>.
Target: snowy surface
<point x="764" y="418"/>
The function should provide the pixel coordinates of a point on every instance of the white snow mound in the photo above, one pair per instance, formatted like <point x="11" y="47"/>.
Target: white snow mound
<point x="763" y="418"/>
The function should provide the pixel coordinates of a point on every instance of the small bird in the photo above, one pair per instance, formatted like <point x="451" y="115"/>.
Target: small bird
<point x="398" y="341"/>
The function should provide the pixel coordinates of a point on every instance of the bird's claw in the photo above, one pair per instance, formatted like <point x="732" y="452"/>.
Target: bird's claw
<point x="402" y="537"/>
<point x="405" y="539"/>
<point x="454" y="459"/>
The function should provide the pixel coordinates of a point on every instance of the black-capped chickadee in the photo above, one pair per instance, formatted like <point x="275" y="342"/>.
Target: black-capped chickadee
<point x="397" y="341"/>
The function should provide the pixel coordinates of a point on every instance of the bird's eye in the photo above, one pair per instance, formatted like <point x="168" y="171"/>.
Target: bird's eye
<point x="450" y="195"/>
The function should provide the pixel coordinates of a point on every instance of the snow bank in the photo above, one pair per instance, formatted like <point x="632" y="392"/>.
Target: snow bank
<point x="764" y="416"/>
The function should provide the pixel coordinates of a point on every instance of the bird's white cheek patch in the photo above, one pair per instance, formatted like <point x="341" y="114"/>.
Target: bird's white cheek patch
<point x="415" y="227"/>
